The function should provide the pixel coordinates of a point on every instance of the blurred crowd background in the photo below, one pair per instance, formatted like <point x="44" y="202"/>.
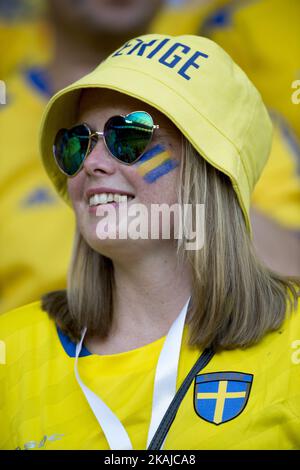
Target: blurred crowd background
<point x="47" y="44"/>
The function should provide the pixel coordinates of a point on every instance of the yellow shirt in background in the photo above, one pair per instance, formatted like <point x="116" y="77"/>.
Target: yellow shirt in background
<point x="277" y="192"/>
<point x="36" y="226"/>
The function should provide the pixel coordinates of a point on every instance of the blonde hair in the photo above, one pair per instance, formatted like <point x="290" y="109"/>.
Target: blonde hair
<point x="236" y="300"/>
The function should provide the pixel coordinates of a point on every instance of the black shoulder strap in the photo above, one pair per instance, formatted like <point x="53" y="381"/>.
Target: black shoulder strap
<point x="171" y="412"/>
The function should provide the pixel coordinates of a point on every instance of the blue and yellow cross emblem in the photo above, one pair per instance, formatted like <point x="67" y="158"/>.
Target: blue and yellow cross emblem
<point x="221" y="396"/>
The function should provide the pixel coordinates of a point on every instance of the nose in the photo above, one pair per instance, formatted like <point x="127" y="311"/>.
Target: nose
<point x="99" y="160"/>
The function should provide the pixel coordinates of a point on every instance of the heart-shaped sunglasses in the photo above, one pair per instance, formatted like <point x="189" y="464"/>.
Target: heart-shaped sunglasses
<point x="126" y="138"/>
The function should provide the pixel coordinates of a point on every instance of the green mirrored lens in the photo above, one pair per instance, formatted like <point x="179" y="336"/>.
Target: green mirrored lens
<point x="70" y="148"/>
<point x="127" y="137"/>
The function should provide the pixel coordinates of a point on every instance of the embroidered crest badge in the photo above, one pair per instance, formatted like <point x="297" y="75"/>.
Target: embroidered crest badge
<point x="221" y="396"/>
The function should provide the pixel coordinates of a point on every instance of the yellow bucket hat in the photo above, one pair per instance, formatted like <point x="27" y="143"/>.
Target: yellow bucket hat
<point x="195" y="83"/>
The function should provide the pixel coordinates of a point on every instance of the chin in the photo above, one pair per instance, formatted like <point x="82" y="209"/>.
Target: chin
<point x="127" y="23"/>
<point x="113" y="249"/>
<point x="122" y="249"/>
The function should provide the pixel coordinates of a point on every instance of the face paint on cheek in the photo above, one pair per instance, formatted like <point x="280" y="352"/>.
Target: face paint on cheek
<point x="155" y="163"/>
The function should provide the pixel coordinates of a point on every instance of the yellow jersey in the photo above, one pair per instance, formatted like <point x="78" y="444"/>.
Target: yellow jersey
<point x="24" y="29"/>
<point x="37" y="227"/>
<point x="243" y="399"/>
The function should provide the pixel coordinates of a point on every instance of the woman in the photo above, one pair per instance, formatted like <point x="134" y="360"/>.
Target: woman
<point x="164" y="120"/>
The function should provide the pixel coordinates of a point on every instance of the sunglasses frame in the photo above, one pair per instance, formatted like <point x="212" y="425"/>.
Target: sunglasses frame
<point x="93" y="140"/>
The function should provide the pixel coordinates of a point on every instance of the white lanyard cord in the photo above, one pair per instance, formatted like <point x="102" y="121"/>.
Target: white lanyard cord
<point x="113" y="429"/>
<point x="166" y="372"/>
<point x="164" y="388"/>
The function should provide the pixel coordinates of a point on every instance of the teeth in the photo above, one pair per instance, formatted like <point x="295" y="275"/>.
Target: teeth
<point x="104" y="198"/>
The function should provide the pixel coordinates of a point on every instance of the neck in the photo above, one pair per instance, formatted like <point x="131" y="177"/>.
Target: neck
<point x="149" y="295"/>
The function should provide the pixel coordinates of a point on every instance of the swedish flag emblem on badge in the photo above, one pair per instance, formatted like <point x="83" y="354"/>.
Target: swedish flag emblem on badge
<point x="221" y="396"/>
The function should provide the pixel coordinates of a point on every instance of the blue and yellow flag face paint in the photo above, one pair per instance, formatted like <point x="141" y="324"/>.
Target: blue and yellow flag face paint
<point x="155" y="163"/>
<point x="221" y="396"/>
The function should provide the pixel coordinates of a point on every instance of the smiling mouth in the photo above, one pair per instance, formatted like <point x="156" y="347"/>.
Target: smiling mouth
<point x="108" y="198"/>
